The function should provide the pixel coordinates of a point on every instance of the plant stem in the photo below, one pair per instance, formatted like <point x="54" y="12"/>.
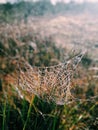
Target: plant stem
<point x="4" y="116"/>
<point x="28" y="114"/>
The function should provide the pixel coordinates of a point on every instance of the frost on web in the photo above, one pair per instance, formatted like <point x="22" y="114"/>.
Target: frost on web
<point x="49" y="83"/>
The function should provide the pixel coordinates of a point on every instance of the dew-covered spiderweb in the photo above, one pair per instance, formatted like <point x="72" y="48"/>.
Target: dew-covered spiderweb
<point x="49" y="83"/>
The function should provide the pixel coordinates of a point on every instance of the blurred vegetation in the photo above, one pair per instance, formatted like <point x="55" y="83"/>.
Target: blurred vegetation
<point x="19" y="113"/>
<point x="86" y="61"/>
<point x="23" y="10"/>
<point x="45" y="53"/>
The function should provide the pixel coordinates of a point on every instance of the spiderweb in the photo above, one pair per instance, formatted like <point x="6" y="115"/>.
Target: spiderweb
<point x="49" y="83"/>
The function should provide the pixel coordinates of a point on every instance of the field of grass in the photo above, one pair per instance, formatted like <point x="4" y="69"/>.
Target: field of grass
<point x="28" y="112"/>
<point x="26" y="44"/>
